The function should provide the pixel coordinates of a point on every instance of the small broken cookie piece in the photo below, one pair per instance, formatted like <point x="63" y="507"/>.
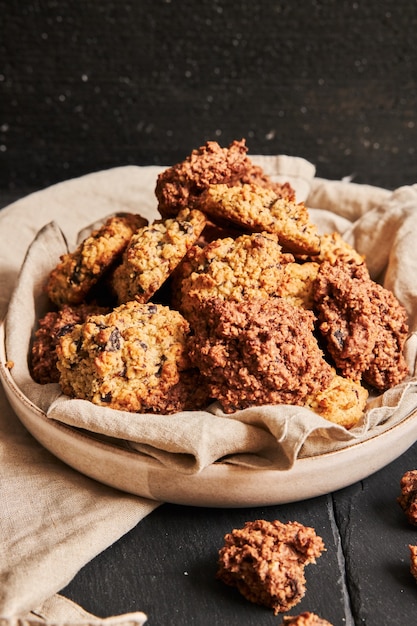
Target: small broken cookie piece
<point x="181" y="185"/>
<point x="255" y="209"/>
<point x="408" y="498"/>
<point x="304" y="619"/>
<point x="237" y="269"/>
<point x="265" y="561"/>
<point x="76" y="274"/>
<point x="257" y="352"/>
<point x="363" y="324"/>
<point x="131" y="359"/>
<point x="413" y="560"/>
<point x="343" y="402"/>
<point x="153" y="253"/>
<point x="51" y="327"/>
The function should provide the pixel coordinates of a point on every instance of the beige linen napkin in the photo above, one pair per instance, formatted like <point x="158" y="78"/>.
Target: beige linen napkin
<point x="270" y="437"/>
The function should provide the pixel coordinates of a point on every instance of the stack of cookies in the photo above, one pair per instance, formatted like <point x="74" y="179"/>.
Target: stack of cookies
<point x="232" y="295"/>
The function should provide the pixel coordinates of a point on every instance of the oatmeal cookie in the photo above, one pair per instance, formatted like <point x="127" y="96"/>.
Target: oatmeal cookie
<point x="304" y="619"/>
<point x="342" y="402"/>
<point x="51" y="327"/>
<point x="153" y="253"/>
<point x="256" y="209"/>
<point x="181" y="185"/>
<point x="133" y="359"/>
<point x="408" y="498"/>
<point x="256" y="352"/>
<point x="363" y="324"/>
<point x="78" y="271"/>
<point x="265" y="561"/>
<point x="236" y="269"/>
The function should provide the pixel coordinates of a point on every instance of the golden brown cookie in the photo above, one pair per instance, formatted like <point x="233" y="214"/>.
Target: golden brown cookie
<point x="342" y="402"/>
<point x="334" y="248"/>
<point x="265" y="561"/>
<point x="255" y="209"/>
<point x="153" y="253"/>
<point x="76" y="274"/>
<point x="133" y="359"/>
<point x="257" y="352"/>
<point x="297" y="283"/>
<point x="239" y="269"/>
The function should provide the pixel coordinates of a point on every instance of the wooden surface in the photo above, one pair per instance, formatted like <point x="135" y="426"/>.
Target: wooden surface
<point x="88" y="85"/>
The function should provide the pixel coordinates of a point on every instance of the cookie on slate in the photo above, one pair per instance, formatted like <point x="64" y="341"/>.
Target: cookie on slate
<point x="257" y="352"/>
<point x="51" y="327"/>
<point x="408" y="498"/>
<point x="153" y="253"/>
<point x="237" y="269"/>
<point x="76" y="274"/>
<point x="363" y="324"/>
<point x="265" y="561"/>
<point x="133" y="359"/>
<point x="342" y="402"/>
<point x="255" y="209"/>
<point x="181" y="185"/>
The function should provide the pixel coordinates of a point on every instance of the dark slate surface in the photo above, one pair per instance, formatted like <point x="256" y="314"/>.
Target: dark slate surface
<point x="89" y="85"/>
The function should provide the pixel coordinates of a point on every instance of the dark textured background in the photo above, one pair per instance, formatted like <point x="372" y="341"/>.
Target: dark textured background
<point x="87" y="85"/>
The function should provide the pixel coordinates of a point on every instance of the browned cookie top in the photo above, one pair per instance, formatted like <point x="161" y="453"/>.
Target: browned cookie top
<point x="266" y="560"/>
<point x="181" y="185"/>
<point x="256" y="352"/>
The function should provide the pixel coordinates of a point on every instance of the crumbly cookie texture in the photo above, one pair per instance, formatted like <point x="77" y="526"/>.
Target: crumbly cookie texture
<point x="255" y="209"/>
<point x="51" y="327"/>
<point x="363" y="324"/>
<point x="256" y="352"/>
<point x="297" y="283"/>
<point x="239" y="269"/>
<point x="265" y="561"/>
<point x="343" y="401"/>
<point x="73" y="278"/>
<point x="132" y="359"/>
<point x="153" y="253"/>
<point x="413" y="560"/>
<point x="181" y="185"/>
<point x="304" y="619"/>
<point x="408" y="498"/>
<point x="334" y="248"/>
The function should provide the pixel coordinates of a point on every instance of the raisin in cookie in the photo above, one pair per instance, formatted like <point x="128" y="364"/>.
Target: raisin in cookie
<point x="133" y="359"/>
<point x="256" y="209"/>
<point x="257" y="352"/>
<point x="342" y="402"/>
<point x="78" y="271"/>
<point x="265" y="561"/>
<point x="181" y="185"/>
<point x="51" y="327"/>
<point x="153" y="253"/>
<point x="363" y="324"/>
